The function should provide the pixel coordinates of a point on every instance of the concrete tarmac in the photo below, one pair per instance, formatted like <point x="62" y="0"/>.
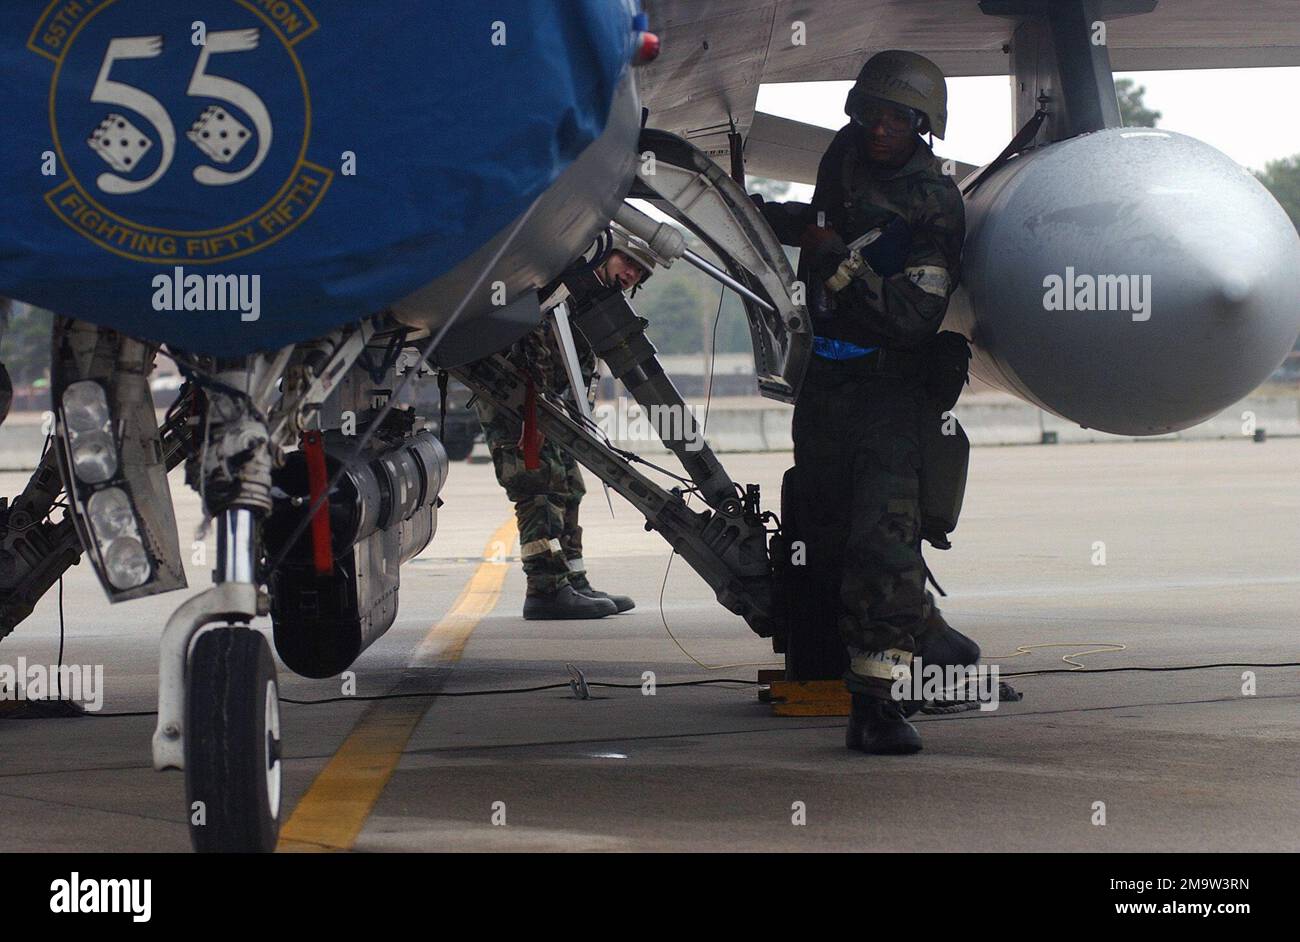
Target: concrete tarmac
<point x="1157" y="554"/>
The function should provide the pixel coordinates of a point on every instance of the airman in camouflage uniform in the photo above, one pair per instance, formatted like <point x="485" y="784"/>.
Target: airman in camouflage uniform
<point x="875" y="306"/>
<point x="547" y="498"/>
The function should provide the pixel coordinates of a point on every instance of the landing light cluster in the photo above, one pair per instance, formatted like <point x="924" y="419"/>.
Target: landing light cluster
<point x="88" y="426"/>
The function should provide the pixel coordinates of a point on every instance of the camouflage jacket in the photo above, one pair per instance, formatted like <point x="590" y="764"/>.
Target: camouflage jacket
<point x="539" y="352"/>
<point x="901" y="305"/>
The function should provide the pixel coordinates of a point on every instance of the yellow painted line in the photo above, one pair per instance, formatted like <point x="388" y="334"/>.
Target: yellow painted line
<point x="332" y="813"/>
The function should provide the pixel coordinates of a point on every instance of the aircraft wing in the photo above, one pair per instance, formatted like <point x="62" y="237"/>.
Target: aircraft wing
<point x="782" y="149"/>
<point x="716" y="53"/>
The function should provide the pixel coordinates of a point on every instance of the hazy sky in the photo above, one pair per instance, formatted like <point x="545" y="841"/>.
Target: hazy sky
<point x="1249" y="114"/>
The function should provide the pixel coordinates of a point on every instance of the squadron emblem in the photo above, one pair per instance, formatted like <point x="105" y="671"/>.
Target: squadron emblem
<point x="128" y="74"/>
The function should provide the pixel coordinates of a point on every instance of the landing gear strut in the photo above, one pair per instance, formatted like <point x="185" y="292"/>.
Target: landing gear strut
<point x="219" y="703"/>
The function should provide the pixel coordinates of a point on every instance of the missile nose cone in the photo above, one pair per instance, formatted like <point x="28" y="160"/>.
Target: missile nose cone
<point x="1234" y="289"/>
<point x="1132" y="280"/>
<point x="1226" y="254"/>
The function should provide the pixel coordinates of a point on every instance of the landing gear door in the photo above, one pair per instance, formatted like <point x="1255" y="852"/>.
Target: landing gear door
<point x="684" y="183"/>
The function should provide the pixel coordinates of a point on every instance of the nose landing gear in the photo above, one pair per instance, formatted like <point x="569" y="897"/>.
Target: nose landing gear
<point x="232" y="742"/>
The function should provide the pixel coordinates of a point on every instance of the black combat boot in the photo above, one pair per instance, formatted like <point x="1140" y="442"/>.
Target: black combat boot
<point x="565" y="602"/>
<point x="944" y="646"/>
<point x="941" y="643"/>
<point x="878" y="727"/>
<point x="580" y="583"/>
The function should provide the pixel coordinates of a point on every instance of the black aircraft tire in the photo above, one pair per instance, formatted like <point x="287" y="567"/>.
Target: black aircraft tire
<point x="459" y="447"/>
<point x="232" y="744"/>
<point x="6" y="393"/>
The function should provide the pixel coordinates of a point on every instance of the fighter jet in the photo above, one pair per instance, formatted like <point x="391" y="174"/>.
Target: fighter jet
<point x="311" y="206"/>
<point x="1180" y="262"/>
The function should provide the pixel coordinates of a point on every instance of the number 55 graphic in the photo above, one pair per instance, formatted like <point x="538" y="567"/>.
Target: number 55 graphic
<point x="150" y="108"/>
<point x="224" y="89"/>
<point x="108" y="91"/>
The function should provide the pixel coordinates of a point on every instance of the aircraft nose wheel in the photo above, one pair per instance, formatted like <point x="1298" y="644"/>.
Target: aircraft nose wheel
<point x="232" y="743"/>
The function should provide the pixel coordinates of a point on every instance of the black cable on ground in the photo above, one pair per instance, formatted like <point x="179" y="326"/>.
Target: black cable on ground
<point x="1115" y="670"/>
<point x="460" y="693"/>
<point x="679" y="683"/>
<point x="58" y="677"/>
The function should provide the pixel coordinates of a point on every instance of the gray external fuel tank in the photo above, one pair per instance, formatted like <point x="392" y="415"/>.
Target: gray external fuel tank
<point x="1132" y="280"/>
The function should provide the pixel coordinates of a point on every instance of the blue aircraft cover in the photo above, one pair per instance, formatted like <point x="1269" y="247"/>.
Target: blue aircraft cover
<point x="344" y="152"/>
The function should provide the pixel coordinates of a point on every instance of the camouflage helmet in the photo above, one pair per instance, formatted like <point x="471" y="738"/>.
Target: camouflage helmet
<point x="635" y="249"/>
<point x="903" y="78"/>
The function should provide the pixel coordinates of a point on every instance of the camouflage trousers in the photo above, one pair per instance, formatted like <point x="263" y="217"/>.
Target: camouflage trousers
<point x="857" y="461"/>
<point x="546" y="503"/>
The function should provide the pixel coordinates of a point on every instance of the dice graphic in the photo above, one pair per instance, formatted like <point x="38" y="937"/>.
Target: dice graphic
<point x="217" y="134"/>
<point x="119" y="142"/>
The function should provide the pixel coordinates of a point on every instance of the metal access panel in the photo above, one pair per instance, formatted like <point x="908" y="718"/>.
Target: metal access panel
<point x="684" y="183"/>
